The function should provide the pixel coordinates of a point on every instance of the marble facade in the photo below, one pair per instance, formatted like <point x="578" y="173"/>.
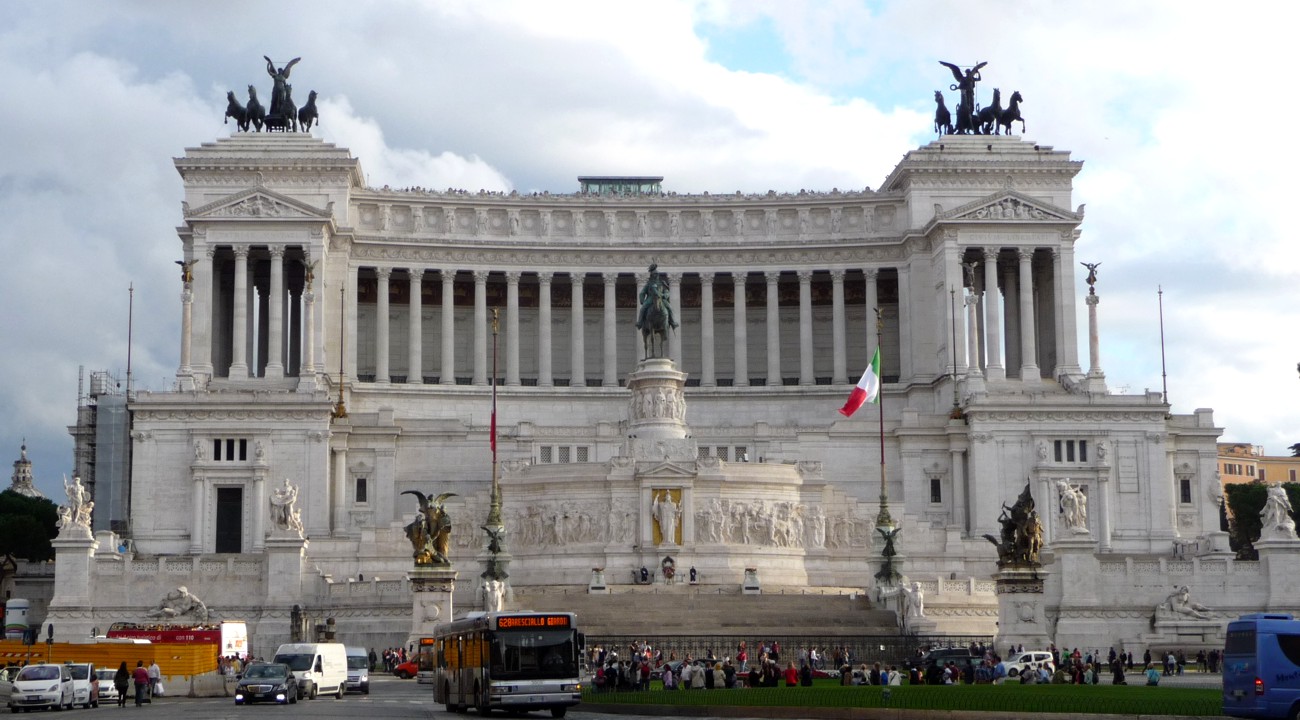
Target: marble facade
<point x="306" y="286"/>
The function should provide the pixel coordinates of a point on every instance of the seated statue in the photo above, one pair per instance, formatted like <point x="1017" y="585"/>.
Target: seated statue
<point x="1180" y="604"/>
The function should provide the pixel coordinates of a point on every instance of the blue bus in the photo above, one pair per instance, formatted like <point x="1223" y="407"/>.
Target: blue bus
<point x="1261" y="667"/>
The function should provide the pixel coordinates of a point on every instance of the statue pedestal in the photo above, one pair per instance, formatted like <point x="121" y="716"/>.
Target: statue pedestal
<point x="74" y="549"/>
<point x="1022" y="616"/>
<point x="431" y="591"/>
<point x="750" y="585"/>
<point x="657" y="413"/>
<point x="596" y="586"/>
<point x="286" y="555"/>
<point x="1279" y="557"/>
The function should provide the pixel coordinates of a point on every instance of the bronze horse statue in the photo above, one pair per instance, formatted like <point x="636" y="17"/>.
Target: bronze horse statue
<point x="307" y="114"/>
<point x="1012" y="114"/>
<point x="256" y="113"/>
<point x="942" y="118"/>
<point x="236" y="111"/>
<point x="986" y="121"/>
<point x="655" y="326"/>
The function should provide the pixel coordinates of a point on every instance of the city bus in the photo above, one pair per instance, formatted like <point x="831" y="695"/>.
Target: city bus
<point x="1261" y="666"/>
<point x="512" y="661"/>
<point x="424" y="652"/>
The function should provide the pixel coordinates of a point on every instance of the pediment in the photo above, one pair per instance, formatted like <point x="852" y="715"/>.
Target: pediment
<point x="1011" y="206"/>
<point x="668" y="471"/>
<point x="258" y="204"/>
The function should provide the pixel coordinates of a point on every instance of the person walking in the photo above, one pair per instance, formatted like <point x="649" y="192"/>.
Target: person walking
<point x="141" y="677"/>
<point x="121" y="681"/>
<point x="155" y="674"/>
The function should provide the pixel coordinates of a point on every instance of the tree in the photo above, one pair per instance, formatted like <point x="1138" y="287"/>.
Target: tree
<point x="1295" y="450"/>
<point x="27" y="525"/>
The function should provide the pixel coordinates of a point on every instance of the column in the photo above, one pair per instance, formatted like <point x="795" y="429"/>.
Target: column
<point x="447" y="366"/>
<point x="773" y="277"/>
<point x="512" y="327"/>
<point x="293" y="349"/>
<point x="634" y="333"/>
<point x="1058" y="314"/>
<point x="873" y="303"/>
<point x="259" y="518"/>
<point x="184" y="374"/>
<point x="805" y="329"/>
<point x="674" y="336"/>
<point x="1028" y="349"/>
<point x="959" y="514"/>
<point x="841" y="362"/>
<point x="381" y="325"/>
<point x="307" y="370"/>
<point x="1103" y="509"/>
<point x="544" y="377"/>
<point x="352" y="322"/>
<point x="577" y="345"/>
<point x="1094" y="337"/>
<point x="610" y="374"/>
<point x="993" y="370"/>
<point x="202" y="332"/>
<point x="904" y="321"/>
<point x="239" y="319"/>
<point x="197" y="531"/>
<point x="972" y="301"/>
<point x="708" y="377"/>
<point x="275" y="336"/>
<point x="740" y="353"/>
<point x="1067" y="353"/>
<point x="337" y="509"/>
<point x="415" y="328"/>
<point x="480" y="327"/>
<point x="263" y="322"/>
<point x="1011" y="299"/>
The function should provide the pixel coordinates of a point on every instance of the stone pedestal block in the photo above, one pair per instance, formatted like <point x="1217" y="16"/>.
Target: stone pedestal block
<point x="750" y="585"/>
<point x="597" y="584"/>
<point x="431" y="591"/>
<point x="1279" y="557"/>
<point x="1022" y="611"/>
<point x="286" y="554"/>
<point x="657" y="412"/>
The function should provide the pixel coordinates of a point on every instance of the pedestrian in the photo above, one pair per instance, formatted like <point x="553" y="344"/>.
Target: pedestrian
<point x="155" y="674"/>
<point x="121" y="681"/>
<point x="141" y="677"/>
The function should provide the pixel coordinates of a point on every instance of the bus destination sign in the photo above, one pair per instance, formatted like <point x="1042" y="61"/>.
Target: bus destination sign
<point x="510" y="622"/>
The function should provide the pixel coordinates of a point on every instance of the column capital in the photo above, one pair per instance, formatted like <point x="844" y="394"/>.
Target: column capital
<point x="610" y="277"/>
<point x="577" y="278"/>
<point x="739" y="278"/>
<point x="772" y="276"/>
<point x="383" y="273"/>
<point x="837" y="275"/>
<point x="991" y="254"/>
<point x="805" y="276"/>
<point x="1025" y="254"/>
<point x="241" y="251"/>
<point x="871" y="273"/>
<point x="512" y="276"/>
<point x="1056" y="253"/>
<point x="416" y="274"/>
<point x="706" y="278"/>
<point x="674" y="278"/>
<point x="448" y="277"/>
<point x="480" y="276"/>
<point x="277" y="251"/>
<point x="544" y="278"/>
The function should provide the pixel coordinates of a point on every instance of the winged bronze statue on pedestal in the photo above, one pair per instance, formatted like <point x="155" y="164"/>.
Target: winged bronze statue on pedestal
<point x="430" y="531"/>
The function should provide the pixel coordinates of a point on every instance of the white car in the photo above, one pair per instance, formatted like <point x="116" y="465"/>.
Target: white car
<point x="1022" y="661"/>
<point x="85" y="685"/>
<point x="42" y="686"/>
<point x="107" y="690"/>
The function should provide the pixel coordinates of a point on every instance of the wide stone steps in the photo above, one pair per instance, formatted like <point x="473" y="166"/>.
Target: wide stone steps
<point x="656" y="610"/>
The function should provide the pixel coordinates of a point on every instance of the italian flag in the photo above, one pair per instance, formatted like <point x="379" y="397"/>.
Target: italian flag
<point x="868" y="389"/>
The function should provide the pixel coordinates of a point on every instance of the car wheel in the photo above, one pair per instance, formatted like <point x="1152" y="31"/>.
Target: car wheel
<point x="312" y="695"/>
<point x="1013" y="672"/>
<point x="339" y="695"/>
<point x="558" y="712"/>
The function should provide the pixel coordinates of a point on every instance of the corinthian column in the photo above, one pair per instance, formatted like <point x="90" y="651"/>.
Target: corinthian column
<point x="239" y="318"/>
<point x="447" y="365"/>
<point x="185" y="374"/>
<point x="275" y="338"/>
<point x="512" y="327"/>
<point x="544" y="376"/>
<point x="480" y="327"/>
<point x="707" y="375"/>
<point x="381" y="325"/>
<point x="610" y="373"/>
<point x="741" y="331"/>
<point x="838" y="344"/>
<point x="414" y="331"/>
<point x="805" y="329"/>
<point x="993" y="369"/>
<point x="577" y="344"/>
<point x="773" y="328"/>
<point x="675" y="336"/>
<point x="1028" y="349"/>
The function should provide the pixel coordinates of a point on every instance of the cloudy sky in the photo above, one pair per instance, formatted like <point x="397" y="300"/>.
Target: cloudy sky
<point x="1178" y="112"/>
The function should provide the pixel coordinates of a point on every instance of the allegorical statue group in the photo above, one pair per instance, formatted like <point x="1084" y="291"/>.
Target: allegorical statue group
<point x="971" y="118"/>
<point x="283" y="115"/>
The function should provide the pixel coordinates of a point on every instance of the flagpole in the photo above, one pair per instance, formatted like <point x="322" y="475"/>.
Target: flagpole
<point x="494" y="510"/>
<point x="883" y="518"/>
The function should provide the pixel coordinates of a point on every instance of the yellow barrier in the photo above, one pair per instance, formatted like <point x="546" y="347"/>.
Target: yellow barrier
<point x="174" y="659"/>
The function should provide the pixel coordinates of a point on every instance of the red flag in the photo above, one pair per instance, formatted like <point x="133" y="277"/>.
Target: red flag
<point x="494" y="432"/>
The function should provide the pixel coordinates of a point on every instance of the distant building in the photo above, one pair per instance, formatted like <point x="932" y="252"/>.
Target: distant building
<point x="101" y="450"/>
<point x="1243" y="462"/>
<point x="22" y="482"/>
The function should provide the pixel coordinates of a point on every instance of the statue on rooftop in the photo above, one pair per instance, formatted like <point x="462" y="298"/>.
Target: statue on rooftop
<point x="965" y="86"/>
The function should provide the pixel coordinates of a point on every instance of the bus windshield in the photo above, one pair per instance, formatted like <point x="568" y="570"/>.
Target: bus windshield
<point x="534" y="654"/>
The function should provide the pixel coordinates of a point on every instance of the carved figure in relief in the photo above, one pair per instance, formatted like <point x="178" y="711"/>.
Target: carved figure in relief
<point x="674" y="224"/>
<point x="708" y="223"/>
<point x="835" y="220"/>
<point x="417" y="219"/>
<point x="818" y="527"/>
<point x="1276" y="515"/>
<point x="1074" y="506"/>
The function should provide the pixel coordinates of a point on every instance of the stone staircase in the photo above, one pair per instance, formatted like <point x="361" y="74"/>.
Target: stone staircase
<point x="684" y="610"/>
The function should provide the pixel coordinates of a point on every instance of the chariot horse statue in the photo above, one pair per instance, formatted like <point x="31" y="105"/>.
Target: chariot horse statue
<point x="656" y="314"/>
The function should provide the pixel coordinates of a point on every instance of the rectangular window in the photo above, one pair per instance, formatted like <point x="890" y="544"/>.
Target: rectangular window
<point x="936" y="490"/>
<point x="582" y="454"/>
<point x="1261" y="474"/>
<point x="243" y="450"/>
<point x="216" y="448"/>
<point x="1250" y="470"/>
<point x="1059" y="456"/>
<point x="230" y="448"/>
<point x="722" y="452"/>
<point x="564" y="454"/>
<point x="1069" y="451"/>
<point x="361" y="491"/>
<point x="1185" y="491"/>
<point x="742" y="453"/>
<point x="701" y="452"/>
<point x="1083" y="451"/>
<point x="544" y="453"/>
<point x="1292" y="471"/>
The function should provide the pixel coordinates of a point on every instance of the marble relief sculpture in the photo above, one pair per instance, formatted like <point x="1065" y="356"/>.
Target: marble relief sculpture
<point x="180" y="603"/>
<point x="284" y="516"/>
<point x="1179" y="605"/>
<point x="665" y="511"/>
<point x="1074" y="507"/>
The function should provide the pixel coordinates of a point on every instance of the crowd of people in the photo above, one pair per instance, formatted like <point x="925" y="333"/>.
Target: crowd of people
<point x="641" y="664"/>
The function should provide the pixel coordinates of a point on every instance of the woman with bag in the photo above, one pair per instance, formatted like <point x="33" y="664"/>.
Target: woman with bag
<point x="121" y="679"/>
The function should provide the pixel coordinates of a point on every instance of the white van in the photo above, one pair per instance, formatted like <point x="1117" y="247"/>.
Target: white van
<point x="321" y="668"/>
<point x="359" y="670"/>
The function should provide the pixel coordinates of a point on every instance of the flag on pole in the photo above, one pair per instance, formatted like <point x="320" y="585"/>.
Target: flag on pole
<point x="867" y="390"/>
<point x="493" y="432"/>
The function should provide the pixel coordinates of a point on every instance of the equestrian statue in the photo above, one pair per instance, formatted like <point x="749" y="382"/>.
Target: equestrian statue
<point x="656" y="314"/>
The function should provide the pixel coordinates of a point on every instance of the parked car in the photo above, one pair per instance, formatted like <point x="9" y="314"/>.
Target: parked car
<point x="42" y="686"/>
<point x="107" y="690"/>
<point x="407" y="670"/>
<point x="1029" y="659"/>
<point x="266" y="682"/>
<point x="85" y="685"/>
